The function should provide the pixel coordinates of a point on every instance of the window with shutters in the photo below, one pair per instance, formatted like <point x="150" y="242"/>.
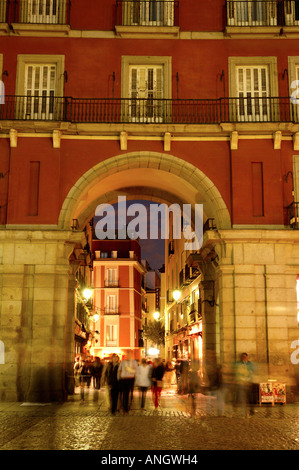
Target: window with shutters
<point x="111" y="304"/>
<point x="252" y="13"/>
<point x="40" y="85"/>
<point x="148" y="13"/>
<point x="111" y="277"/>
<point x="111" y="335"/>
<point x="253" y="89"/>
<point x="146" y="93"/>
<point x="40" y="81"/>
<point x="253" y="92"/>
<point x="146" y="88"/>
<point x="291" y="12"/>
<point x="293" y="73"/>
<point x="43" y="11"/>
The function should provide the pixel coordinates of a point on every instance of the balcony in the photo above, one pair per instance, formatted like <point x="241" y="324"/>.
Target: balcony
<point x="142" y="111"/>
<point x="48" y="17"/>
<point x="111" y="311"/>
<point x="262" y="16"/>
<point x="147" y="18"/>
<point x="111" y="283"/>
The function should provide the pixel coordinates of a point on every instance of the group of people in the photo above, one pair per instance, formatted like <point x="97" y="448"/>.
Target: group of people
<point x="233" y="384"/>
<point x="120" y="378"/>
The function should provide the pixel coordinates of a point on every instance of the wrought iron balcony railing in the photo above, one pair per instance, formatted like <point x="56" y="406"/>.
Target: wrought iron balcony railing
<point x="52" y="12"/>
<point x="262" y="12"/>
<point x="111" y="311"/>
<point x="147" y="13"/>
<point x="150" y="111"/>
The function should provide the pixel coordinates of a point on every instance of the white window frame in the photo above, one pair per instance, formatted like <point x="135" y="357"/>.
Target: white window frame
<point x="111" y="307"/>
<point x="290" y="13"/>
<point x="128" y="63"/>
<point x="148" y="13"/>
<point x="42" y="12"/>
<point x="111" y="332"/>
<point x="111" y="277"/>
<point x="25" y="60"/>
<point x="251" y="62"/>
<point x="252" y="13"/>
<point x="293" y="62"/>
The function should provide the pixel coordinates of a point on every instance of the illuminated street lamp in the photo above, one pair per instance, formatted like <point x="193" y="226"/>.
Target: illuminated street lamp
<point x="176" y="295"/>
<point x="157" y="316"/>
<point x="87" y="293"/>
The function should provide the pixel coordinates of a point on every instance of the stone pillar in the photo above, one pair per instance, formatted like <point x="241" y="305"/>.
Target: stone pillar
<point x="258" y="300"/>
<point x="35" y="313"/>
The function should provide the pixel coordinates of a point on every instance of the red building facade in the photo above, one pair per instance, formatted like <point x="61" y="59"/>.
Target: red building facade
<point x="117" y="300"/>
<point x="186" y="102"/>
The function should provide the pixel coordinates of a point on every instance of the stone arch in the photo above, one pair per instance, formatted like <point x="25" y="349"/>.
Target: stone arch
<point x="166" y="179"/>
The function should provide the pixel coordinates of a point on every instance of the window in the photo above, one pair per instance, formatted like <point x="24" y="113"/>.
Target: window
<point x="40" y="85"/>
<point x="146" y="86"/>
<point x="111" y="304"/>
<point x="294" y="87"/>
<point x="252" y="13"/>
<point x="253" y="88"/>
<point x="111" y="277"/>
<point x="111" y="335"/>
<point x="146" y="91"/>
<point x="253" y="91"/>
<point x="148" y="13"/>
<point x="291" y="12"/>
<point x="43" y="11"/>
<point x="40" y="82"/>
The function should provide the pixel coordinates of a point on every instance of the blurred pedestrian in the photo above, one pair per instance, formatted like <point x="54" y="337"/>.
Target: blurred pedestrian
<point x="157" y="381"/>
<point x="113" y="382"/>
<point x="177" y="371"/>
<point x="77" y="371"/>
<point x="183" y="382"/>
<point x="85" y="378"/>
<point x="168" y="373"/>
<point x="244" y="377"/>
<point x="193" y="384"/>
<point x="126" y="374"/>
<point x="143" y="380"/>
<point x="96" y="371"/>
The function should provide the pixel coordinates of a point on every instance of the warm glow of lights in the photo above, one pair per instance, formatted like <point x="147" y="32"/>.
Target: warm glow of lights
<point x="87" y="293"/>
<point x="153" y="352"/>
<point x="96" y="317"/>
<point x="176" y="295"/>
<point x="156" y="315"/>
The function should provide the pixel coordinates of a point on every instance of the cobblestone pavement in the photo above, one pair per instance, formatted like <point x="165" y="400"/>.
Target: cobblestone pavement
<point x="88" y="425"/>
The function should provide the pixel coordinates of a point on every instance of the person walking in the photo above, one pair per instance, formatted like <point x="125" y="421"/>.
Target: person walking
<point x="143" y="380"/>
<point x="157" y="378"/>
<point x="112" y="382"/>
<point x="243" y="377"/>
<point x="96" y="372"/>
<point x="126" y="375"/>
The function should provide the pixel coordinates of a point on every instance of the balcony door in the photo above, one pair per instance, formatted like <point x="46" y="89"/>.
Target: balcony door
<point x="43" y="11"/>
<point x="111" y="304"/>
<point x="146" y="93"/>
<point x="252" y="13"/>
<point x="40" y="83"/>
<point x="253" y="92"/>
<point x="148" y="13"/>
